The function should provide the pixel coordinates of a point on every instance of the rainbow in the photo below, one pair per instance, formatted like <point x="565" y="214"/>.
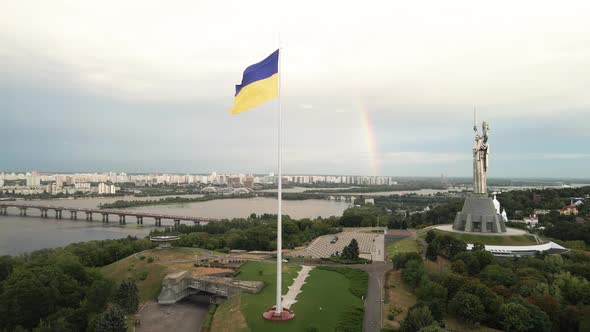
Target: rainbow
<point x="370" y="139"/>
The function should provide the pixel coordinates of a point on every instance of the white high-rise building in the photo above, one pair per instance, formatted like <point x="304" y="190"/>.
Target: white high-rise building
<point x="104" y="188"/>
<point x="33" y="181"/>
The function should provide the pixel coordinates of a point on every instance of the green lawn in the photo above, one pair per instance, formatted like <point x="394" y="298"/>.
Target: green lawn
<point x="409" y="244"/>
<point x="324" y="298"/>
<point x="253" y="305"/>
<point x="513" y="240"/>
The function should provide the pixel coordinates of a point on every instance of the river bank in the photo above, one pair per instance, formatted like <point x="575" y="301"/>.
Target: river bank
<point x="19" y="234"/>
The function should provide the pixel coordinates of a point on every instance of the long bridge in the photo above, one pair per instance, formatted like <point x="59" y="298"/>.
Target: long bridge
<point x="44" y="209"/>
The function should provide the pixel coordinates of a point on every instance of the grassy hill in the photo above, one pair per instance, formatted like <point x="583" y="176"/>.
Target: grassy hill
<point x="148" y="268"/>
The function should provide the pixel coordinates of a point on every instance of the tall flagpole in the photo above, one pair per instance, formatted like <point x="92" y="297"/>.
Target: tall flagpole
<point x="279" y="307"/>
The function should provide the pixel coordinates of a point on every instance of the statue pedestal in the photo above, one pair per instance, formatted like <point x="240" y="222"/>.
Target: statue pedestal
<point x="479" y="216"/>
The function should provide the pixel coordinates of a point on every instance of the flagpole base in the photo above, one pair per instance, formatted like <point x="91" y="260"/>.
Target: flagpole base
<point x="271" y="315"/>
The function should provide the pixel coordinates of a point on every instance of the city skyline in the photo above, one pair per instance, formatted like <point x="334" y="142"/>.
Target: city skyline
<point x="317" y="177"/>
<point x="152" y="96"/>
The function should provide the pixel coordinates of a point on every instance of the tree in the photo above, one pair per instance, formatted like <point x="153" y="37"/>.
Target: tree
<point x="496" y="274"/>
<point x="432" y="252"/>
<point x="413" y="273"/>
<point x="540" y="320"/>
<point x="98" y="295"/>
<point x="490" y="300"/>
<point x="127" y="296"/>
<point x="459" y="267"/>
<point x="430" y="235"/>
<point x="484" y="258"/>
<point x="351" y="251"/>
<point x="6" y="266"/>
<point x="471" y="263"/>
<point x="400" y="260"/>
<point x="112" y="320"/>
<point x="416" y="319"/>
<point x="430" y="291"/>
<point x="453" y="282"/>
<point x="515" y="317"/>
<point x="467" y="307"/>
<point x="433" y="295"/>
<point x="456" y="247"/>
<point x="573" y="289"/>
<point x="549" y="305"/>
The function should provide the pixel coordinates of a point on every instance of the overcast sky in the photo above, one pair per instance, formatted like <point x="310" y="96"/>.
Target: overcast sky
<point x="369" y="87"/>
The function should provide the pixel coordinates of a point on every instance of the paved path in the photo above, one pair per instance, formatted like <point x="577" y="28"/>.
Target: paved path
<point x="376" y="271"/>
<point x="379" y="249"/>
<point x="509" y="231"/>
<point x="290" y="298"/>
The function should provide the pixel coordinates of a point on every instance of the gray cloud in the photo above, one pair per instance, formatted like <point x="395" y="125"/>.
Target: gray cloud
<point x="85" y="87"/>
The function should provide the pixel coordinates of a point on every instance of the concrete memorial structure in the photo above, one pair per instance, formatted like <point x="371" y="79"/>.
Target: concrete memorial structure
<point x="180" y="284"/>
<point x="479" y="213"/>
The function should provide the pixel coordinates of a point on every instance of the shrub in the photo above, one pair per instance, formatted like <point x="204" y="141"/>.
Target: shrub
<point x="209" y="318"/>
<point x="143" y="275"/>
<point x="416" y="319"/>
<point x="111" y="320"/>
<point x="413" y="273"/>
<point x="400" y="260"/>
<point x="393" y="312"/>
<point x="150" y="259"/>
<point x="434" y="327"/>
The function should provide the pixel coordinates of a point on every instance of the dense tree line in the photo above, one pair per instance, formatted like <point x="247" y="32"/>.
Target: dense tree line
<point x="551" y="199"/>
<point x="568" y="231"/>
<point x="121" y="204"/>
<point x="541" y="293"/>
<point x="61" y="289"/>
<point x="254" y="233"/>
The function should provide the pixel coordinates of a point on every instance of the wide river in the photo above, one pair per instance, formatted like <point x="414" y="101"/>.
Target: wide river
<point x="24" y="234"/>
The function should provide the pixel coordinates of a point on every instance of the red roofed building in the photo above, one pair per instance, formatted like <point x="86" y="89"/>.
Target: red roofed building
<point x="568" y="210"/>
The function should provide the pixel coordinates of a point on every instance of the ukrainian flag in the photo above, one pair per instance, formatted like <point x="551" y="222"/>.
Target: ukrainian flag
<point x="260" y="83"/>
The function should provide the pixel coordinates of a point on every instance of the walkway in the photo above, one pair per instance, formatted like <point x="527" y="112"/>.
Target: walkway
<point x="290" y="298"/>
<point x="373" y="302"/>
<point x="509" y="231"/>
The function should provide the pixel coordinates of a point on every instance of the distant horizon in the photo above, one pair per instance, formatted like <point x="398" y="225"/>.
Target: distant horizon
<point x="466" y="177"/>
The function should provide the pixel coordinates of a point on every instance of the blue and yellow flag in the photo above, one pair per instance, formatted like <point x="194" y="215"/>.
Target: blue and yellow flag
<point x="260" y="83"/>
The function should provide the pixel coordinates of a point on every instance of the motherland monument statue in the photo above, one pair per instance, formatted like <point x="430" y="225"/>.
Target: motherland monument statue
<point x="481" y="152"/>
<point x="479" y="213"/>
